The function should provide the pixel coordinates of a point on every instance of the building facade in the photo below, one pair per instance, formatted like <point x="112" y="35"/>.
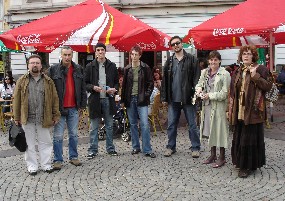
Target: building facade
<point x="168" y="16"/>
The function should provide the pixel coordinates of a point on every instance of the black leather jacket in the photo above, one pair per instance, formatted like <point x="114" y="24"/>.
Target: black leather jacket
<point x="145" y="82"/>
<point x="58" y="73"/>
<point x="190" y="76"/>
<point x="92" y="78"/>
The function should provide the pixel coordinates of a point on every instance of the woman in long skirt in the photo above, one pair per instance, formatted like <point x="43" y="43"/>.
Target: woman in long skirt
<point x="247" y="111"/>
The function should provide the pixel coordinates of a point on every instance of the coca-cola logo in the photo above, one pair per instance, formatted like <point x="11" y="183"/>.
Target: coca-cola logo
<point x="227" y="31"/>
<point x="31" y="39"/>
<point x="145" y="46"/>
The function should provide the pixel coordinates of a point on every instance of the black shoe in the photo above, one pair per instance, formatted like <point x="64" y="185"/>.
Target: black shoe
<point x="113" y="153"/>
<point x="49" y="170"/>
<point x="33" y="173"/>
<point x="91" y="156"/>
<point x="135" y="151"/>
<point x="152" y="155"/>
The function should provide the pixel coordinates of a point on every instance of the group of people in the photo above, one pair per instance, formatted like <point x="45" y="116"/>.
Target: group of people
<point x="57" y="99"/>
<point x="236" y="100"/>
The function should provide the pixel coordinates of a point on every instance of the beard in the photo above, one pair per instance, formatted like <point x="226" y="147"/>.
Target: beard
<point x="35" y="70"/>
<point x="178" y="50"/>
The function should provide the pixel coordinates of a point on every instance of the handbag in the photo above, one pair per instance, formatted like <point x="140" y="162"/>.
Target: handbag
<point x="272" y="95"/>
<point x="17" y="137"/>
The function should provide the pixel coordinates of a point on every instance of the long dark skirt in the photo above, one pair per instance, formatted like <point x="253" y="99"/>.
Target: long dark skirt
<point x="248" y="147"/>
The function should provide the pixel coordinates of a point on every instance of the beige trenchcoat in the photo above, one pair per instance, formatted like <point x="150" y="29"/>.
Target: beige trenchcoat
<point x="219" y="129"/>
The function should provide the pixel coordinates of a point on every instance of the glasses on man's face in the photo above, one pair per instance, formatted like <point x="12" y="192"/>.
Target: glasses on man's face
<point x="35" y="63"/>
<point x="246" y="54"/>
<point x="6" y="78"/>
<point x="177" y="43"/>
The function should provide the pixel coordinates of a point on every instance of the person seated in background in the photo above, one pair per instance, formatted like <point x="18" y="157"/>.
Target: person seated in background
<point x="157" y="78"/>
<point x="203" y="63"/>
<point x="155" y="91"/>
<point x="119" y="94"/>
<point x="281" y="81"/>
<point x="7" y="92"/>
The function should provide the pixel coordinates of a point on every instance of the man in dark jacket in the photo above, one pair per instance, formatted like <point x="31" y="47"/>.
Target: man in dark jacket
<point x="102" y="82"/>
<point x="181" y="74"/>
<point x="136" y="90"/>
<point x="69" y="82"/>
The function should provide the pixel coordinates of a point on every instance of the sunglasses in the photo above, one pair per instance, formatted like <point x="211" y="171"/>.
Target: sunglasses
<point x="177" y="43"/>
<point x="6" y="78"/>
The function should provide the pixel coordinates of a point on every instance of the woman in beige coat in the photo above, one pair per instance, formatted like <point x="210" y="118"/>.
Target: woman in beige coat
<point x="213" y="88"/>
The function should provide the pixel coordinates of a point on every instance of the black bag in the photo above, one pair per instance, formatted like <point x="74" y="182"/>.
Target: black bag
<point x="17" y="137"/>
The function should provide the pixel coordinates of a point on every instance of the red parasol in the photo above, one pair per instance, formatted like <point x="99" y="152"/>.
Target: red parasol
<point x="251" y="22"/>
<point x="84" y="25"/>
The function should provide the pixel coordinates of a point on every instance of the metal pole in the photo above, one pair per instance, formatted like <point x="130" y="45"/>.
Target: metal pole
<point x="271" y="57"/>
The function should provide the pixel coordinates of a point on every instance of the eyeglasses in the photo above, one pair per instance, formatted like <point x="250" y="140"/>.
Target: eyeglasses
<point x="246" y="54"/>
<point x="6" y="78"/>
<point x="177" y="43"/>
<point x="33" y="63"/>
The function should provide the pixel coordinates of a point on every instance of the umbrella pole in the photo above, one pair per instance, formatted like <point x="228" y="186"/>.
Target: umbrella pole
<point x="271" y="40"/>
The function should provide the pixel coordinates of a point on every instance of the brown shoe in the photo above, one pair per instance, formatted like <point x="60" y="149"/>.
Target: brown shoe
<point x="195" y="154"/>
<point x="168" y="152"/>
<point x="57" y="166"/>
<point x="75" y="162"/>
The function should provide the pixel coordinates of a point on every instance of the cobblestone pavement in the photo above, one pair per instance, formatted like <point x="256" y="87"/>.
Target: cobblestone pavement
<point x="128" y="177"/>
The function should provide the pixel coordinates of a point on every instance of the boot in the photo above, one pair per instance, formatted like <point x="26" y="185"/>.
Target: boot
<point x="213" y="156"/>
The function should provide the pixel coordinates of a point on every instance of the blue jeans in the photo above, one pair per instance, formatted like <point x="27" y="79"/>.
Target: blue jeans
<point x="94" y="126"/>
<point x="72" y="126"/>
<point x="135" y="112"/>
<point x="174" y="112"/>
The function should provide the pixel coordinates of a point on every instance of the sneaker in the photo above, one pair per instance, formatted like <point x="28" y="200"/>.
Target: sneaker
<point x="49" y="170"/>
<point x="91" y="156"/>
<point x="57" y="166"/>
<point x="135" y="151"/>
<point x="33" y="173"/>
<point x="113" y="153"/>
<point x="195" y="154"/>
<point x="152" y="155"/>
<point x="168" y="152"/>
<point x="75" y="162"/>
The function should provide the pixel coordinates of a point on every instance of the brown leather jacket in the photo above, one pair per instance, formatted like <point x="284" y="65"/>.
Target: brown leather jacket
<point x="145" y="82"/>
<point x="51" y="103"/>
<point x="255" y="108"/>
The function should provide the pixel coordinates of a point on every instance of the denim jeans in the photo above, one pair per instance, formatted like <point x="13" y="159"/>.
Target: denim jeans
<point x="174" y="112"/>
<point x="94" y="126"/>
<point x="141" y="112"/>
<point x="72" y="126"/>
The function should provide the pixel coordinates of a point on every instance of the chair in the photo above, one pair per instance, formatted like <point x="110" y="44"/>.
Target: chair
<point x="2" y="120"/>
<point x="82" y="119"/>
<point x="5" y="115"/>
<point x="154" y="113"/>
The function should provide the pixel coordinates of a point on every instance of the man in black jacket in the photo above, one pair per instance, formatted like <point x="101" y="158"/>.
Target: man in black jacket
<point x="69" y="82"/>
<point x="102" y="82"/>
<point x="181" y="74"/>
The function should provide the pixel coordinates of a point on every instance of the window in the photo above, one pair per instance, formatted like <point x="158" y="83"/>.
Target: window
<point x="34" y="1"/>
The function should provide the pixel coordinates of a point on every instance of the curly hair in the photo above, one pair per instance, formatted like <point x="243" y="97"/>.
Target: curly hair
<point x="246" y="48"/>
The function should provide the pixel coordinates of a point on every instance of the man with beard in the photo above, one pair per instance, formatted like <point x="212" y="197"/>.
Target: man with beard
<point x="181" y="74"/>
<point x="69" y="82"/>
<point x="35" y="107"/>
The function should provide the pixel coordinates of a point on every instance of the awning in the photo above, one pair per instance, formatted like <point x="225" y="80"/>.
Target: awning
<point x="3" y="48"/>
